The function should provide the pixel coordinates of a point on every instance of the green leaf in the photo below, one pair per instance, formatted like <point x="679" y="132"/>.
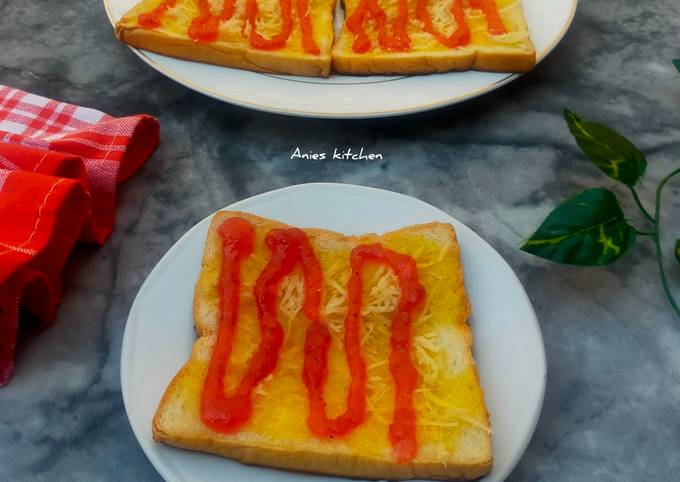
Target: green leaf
<point x="676" y="62"/>
<point x="615" y="155"/>
<point x="677" y="250"/>
<point x="587" y="230"/>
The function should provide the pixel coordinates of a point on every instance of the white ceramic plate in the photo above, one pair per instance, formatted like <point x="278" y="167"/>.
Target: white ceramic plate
<point x="353" y="97"/>
<point x="508" y="346"/>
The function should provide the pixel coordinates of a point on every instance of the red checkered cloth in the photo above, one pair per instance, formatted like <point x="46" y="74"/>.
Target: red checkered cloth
<point x="60" y="167"/>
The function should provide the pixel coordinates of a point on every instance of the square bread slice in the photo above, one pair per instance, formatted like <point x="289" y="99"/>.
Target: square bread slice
<point x="512" y="51"/>
<point x="233" y="46"/>
<point x="452" y="423"/>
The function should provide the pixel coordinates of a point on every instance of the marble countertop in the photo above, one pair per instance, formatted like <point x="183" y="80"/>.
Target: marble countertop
<point x="498" y="163"/>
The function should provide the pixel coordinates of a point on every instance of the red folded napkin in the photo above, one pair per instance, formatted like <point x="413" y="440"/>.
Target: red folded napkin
<point x="60" y="166"/>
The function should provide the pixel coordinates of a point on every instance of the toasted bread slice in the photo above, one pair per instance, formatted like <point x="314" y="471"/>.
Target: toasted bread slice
<point x="233" y="47"/>
<point x="453" y="431"/>
<point x="509" y="52"/>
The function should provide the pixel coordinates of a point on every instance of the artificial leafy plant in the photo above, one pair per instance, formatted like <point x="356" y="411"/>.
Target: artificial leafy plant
<point x="590" y="229"/>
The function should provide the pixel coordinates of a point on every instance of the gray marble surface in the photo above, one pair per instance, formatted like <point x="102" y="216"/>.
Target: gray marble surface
<point x="499" y="164"/>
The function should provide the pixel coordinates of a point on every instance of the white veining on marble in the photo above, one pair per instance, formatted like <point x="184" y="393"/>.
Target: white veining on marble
<point x="498" y="163"/>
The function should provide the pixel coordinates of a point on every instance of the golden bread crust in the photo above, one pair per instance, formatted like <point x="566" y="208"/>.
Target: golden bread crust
<point x="223" y="53"/>
<point x="176" y="421"/>
<point x="483" y="53"/>
<point x="432" y="62"/>
<point x="486" y="54"/>
<point x="402" y="63"/>
<point x="305" y="460"/>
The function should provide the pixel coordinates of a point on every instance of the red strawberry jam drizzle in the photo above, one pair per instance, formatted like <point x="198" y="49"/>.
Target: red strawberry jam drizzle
<point x="219" y="412"/>
<point x="278" y="40"/>
<point x="402" y="431"/>
<point x="290" y="248"/>
<point x="308" y="42"/>
<point x="460" y="36"/>
<point x="315" y="371"/>
<point x="152" y="19"/>
<point x="370" y="10"/>
<point x="494" y="22"/>
<point x="205" y="27"/>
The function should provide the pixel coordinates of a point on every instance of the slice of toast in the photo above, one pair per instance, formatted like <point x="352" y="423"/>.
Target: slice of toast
<point x="174" y="27"/>
<point x="511" y="51"/>
<point x="452" y="423"/>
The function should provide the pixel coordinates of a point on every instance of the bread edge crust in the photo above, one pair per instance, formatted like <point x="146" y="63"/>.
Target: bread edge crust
<point x="346" y="465"/>
<point x="222" y="53"/>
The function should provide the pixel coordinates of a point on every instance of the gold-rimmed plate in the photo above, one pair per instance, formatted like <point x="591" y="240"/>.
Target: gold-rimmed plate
<point x="342" y="96"/>
<point x="507" y="342"/>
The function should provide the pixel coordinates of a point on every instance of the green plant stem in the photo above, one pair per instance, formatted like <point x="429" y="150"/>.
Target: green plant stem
<point x="639" y="204"/>
<point x="657" y="241"/>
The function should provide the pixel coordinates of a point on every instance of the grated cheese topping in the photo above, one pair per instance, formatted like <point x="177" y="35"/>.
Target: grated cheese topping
<point x="439" y="351"/>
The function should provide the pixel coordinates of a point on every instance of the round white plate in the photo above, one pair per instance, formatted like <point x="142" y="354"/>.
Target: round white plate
<point x="352" y="97"/>
<point x="508" y="346"/>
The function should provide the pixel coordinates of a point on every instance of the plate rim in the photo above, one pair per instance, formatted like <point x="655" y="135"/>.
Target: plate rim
<point x="182" y="240"/>
<point x="249" y="104"/>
